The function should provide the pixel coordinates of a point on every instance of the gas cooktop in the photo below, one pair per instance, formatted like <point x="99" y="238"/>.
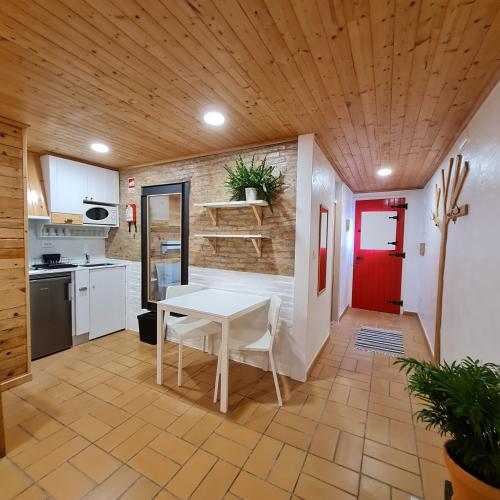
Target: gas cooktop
<point x="58" y="265"/>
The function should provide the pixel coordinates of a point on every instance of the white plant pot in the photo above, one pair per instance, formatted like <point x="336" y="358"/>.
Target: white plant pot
<point x="251" y="194"/>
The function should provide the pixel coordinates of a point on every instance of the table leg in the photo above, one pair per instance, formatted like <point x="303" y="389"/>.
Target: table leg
<point x="159" y="345"/>
<point x="224" y="367"/>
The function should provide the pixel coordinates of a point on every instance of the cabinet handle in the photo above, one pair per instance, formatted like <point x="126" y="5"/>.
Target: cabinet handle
<point x="82" y="289"/>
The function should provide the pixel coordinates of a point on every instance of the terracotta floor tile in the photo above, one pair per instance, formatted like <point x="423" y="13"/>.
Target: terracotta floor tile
<point x="156" y="416"/>
<point x="186" y="422"/>
<point x="217" y="482"/>
<point x="345" y="418"/>
<point x="250" y="487"/>
<point x="369" y="489"/>
<point x="41" y="426"/>
<point x="110" y="414"/>
<point x="377" y="428"/>
<point x="43" y="448"/>
<point x="313" y="407"/>
<point x="402" y="436"/>
<point x="331" y="473"/>
<point x="173" y="447"/>
<point x="358" y="398"/>
<point x="33" y="493"/>
<point x="17" y="440"/>
<point x="12" y="480"/>
<point x="263" y="457"/>
<point x="128" y="448"/>
<point x="228" y="450"/>
<point x="392" y="475"/>
<point x="108" y="385"/>
<point x="90" y="427"/>
<point x="200" y="431"/>
<point x="66" y="482"/>
<point x="95" y="463"/>
<point x="310" y="488"/>
<point x="154" y="466"/>
<point x="433" y="477"/>
<point x="286" y="470"/>
<point x="104" y="392"/>
<point x="392" y="456"/>
<point x="349" y="451"/>
<point x="429" y="452"/>
<point x="324" y="441"/>
<point x="142" y="489"/>
<point x="116" y="484"/>
<point x="56" y="458"/>
<point x="295" y="422"/>
<point x="191" y="475"/>
<point x="288" y="435"/>
<point x="238" y="433"/>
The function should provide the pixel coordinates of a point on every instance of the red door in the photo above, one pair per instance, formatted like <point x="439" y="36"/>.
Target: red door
<point x="378" y="254"/>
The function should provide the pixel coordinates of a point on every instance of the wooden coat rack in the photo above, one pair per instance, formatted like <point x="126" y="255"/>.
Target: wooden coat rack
<point x="450" y="192"/>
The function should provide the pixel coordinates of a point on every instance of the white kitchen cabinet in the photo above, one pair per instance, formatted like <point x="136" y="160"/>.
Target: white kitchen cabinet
<point x="65" y="183"/>
<point x="82" y="301"/>
<point x="107" y="301"/>
<point x="69" y="183"/>
<point x="102" y="185"/>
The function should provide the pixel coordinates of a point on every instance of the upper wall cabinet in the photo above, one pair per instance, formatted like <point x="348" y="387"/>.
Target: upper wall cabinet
<point x="69" y="183"/>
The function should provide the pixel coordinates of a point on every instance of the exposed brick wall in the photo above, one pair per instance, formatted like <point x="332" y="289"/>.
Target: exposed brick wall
<point x="207" y="176"/>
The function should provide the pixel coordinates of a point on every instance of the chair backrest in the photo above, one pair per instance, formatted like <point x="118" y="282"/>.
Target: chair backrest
<point x="177" y="290"/>
<point x="273" y="315"/>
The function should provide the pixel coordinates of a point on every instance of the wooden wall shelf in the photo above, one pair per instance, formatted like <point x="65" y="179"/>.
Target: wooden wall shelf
<point x="256" y="239"/>
<point x="213" y="207"/>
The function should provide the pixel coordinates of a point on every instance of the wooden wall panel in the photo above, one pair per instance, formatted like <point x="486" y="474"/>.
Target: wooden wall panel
<point x="14" y="306"/>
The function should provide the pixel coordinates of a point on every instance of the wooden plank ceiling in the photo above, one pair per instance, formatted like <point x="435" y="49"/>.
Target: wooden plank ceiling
<point x="381" y="82"/>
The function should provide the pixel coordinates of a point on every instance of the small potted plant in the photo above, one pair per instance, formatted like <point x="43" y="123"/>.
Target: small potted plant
<point x="247" y="182"/>
<point x="462" y="400"/>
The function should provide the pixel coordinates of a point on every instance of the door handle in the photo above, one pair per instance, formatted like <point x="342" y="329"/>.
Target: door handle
<point x="69" y="291"/>
<point x="358" y="259"/>
<point x="82" y="289"/>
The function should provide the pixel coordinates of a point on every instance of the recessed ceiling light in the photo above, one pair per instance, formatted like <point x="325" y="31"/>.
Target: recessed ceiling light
<point x="99" y="147"/>
<point x="214" y="118"/>
<point x="384" y="172"/>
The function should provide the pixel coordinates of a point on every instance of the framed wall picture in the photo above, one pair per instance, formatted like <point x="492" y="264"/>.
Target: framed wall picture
<point x="322" y="248"/>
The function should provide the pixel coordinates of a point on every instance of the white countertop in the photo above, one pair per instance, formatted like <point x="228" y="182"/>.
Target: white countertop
<point x="112" y="263"/>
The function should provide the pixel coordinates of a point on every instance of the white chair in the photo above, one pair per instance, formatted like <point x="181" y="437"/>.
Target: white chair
<point x="248" y="341"/>
<point x="186" y="327"/>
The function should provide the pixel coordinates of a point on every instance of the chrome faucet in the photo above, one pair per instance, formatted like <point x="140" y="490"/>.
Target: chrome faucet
<point x="87" y="258"/>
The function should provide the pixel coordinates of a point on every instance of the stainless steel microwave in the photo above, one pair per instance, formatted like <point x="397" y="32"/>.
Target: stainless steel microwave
<point x="103" y="215"/>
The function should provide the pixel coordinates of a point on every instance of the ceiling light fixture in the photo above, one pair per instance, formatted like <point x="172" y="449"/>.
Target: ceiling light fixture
<point x="214" y="118"/>
<point x="99" y="147"/>
<point x="384" y="172"/>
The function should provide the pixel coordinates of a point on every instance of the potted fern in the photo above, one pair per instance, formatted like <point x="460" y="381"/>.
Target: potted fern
<point x="462" y="400"/>
<point x="247" y="182"/>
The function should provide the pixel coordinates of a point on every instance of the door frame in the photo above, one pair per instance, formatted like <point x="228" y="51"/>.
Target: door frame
<point x="375" y="196"/>
<point x="177" y="187"/>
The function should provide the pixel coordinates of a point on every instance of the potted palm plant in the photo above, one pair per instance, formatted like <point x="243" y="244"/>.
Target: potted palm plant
<point x="462" y="401"/>
<point x="247" y="182"/>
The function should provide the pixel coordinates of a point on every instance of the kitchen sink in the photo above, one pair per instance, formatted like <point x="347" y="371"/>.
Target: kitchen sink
<point x="98" y="265"/>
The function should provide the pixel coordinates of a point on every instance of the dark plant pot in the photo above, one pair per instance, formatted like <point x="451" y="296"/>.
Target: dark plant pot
<point x="465" y="485"/>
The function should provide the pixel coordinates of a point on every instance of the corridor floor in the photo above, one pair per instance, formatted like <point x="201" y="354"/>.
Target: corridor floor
<point x="94" y="424"/>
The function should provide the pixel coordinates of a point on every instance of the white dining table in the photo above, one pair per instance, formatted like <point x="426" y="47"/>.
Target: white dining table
<point x="221" y="306"/>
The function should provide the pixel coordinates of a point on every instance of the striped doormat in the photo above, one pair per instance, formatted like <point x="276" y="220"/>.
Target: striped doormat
<point x="378" y="340"/>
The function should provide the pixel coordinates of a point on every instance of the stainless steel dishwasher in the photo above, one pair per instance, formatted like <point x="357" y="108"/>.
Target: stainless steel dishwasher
<point x="50" y="312"/>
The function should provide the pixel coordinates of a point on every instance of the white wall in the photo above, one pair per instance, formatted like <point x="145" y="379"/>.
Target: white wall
<point x="471" y="303"/>
<point x="345" y="207"/>
<point x="311" y="315"/>
<point x="73" y="249"/>
<point x="413" y="236"/>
